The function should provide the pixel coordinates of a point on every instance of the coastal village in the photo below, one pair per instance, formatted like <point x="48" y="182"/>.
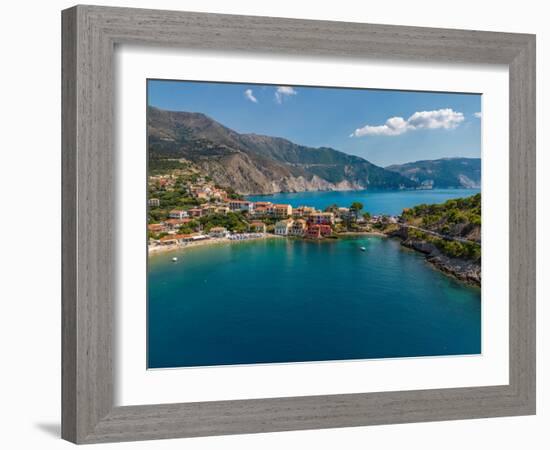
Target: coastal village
<point x="186" y="208"/>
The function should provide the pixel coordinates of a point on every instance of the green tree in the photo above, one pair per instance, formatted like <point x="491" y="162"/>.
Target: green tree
<point x="189" y="227"/>
<point x="356" y="206"/>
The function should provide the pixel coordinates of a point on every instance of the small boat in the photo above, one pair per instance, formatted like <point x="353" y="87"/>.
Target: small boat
<point x="174" y="259"/>
<point x="362" y="249"/>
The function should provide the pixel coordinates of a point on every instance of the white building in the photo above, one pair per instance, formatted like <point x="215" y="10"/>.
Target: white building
<point x="178" y="214"/>
<point x="241" y="205"/>
<point x="282" y="227"/>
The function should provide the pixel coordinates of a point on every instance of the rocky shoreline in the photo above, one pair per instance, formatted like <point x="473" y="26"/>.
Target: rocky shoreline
<point x="464" y="270"/>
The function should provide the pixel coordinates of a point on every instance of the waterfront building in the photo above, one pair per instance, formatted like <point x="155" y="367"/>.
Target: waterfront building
<point x="218" y="232"/>
<point x="282" y="227"/>
<point x="298" y="227"/>
<point x="169" y="239"/>
<point x="317" y="231"/>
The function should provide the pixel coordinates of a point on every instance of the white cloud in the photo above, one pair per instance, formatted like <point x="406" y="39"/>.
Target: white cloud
<point x="442" y="118"/>
<point x="478" y="115"/>
<point x="284" y="91"/>
<point x="250" y="96"/>
<point x="394" y="126"/>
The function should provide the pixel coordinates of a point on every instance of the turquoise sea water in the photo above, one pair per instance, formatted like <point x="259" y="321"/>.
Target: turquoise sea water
<point x="375" y="202"/>
<point x="283" y="300"/>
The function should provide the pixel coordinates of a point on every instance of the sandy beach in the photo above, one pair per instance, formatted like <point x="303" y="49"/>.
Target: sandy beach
<point x="206" y="242"/>
<point x="217" y="241"/>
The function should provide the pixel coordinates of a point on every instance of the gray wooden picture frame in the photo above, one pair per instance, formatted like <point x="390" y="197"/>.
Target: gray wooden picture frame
<point x="90" y="34"/>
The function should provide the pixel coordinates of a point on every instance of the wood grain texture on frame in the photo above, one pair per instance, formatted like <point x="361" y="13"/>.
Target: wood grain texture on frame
<point x="90" y="34"/>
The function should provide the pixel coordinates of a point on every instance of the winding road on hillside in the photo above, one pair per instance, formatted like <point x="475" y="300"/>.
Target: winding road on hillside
<point x="439" y="235"/>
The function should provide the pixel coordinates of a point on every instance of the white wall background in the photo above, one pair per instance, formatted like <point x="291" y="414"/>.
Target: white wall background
<point x="31" y="208"/>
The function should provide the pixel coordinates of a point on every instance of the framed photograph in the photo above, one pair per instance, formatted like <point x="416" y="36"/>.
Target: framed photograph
<point x="277" y="224"/>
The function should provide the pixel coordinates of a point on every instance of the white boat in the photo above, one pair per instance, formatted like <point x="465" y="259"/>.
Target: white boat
<point x="362" y="249"/>
<point x="174" y="259"/>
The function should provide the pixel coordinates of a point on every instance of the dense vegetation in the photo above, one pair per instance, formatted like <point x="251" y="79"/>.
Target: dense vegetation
<point x="233" y="221"/>
<point x="160" y="166"/>
<point x="454" y="249"/>
<point x="456" y="217"/>
<point x="179" y="198"/>
<point x="458" y="221"/>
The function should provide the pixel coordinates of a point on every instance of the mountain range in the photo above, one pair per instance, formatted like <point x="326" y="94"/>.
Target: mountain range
<point x="442" y="173"/>
<point x="257" y="164"/>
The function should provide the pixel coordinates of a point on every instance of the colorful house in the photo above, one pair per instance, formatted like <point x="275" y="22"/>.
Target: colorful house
<point x="321" y="218"/>
<point x="282" y="210"/>
<point x="317" y="231"/>
<point x="282" y="227"/>
<point x="298" y="227"/>
<point x="303" y="211"/>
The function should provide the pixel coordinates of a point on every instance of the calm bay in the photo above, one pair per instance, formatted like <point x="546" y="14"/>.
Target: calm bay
<point x="374" y="201"/>
<point x="290" y="300"/>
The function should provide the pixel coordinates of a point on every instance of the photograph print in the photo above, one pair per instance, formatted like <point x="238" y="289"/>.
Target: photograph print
<point x="294" y="224"/>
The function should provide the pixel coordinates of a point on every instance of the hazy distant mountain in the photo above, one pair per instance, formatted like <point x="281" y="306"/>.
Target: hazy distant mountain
<point x="443" y="173"/>
<point x="255" y="164"/>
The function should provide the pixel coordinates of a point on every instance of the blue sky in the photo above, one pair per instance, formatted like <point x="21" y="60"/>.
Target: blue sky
<point x="384" y="127"/>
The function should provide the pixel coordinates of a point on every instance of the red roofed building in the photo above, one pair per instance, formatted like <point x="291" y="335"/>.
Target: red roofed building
<point x="173" y="224"/>
<point x="195" y="212"/>
<point x="155" y="227"/>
